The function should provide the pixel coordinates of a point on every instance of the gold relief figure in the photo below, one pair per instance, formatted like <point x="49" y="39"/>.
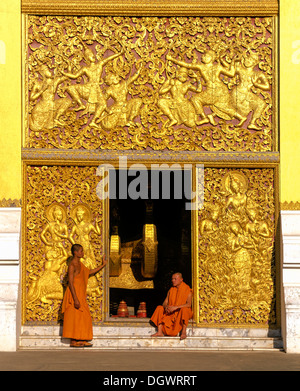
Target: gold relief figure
<point x="49" y="285"/>
<point x="255" y="227"/>
<point x="209" y="225"/>
<point x="233" y="95"/>
<point x="90" y="91"/>
<point x="178" y="108"/>
<point x="80" y="234"/>
<point x="47" y="111"/>
<point x="260" y="232"/>
<point x="236" y="184"/>
<point x="236" y="248"/>
<point x="123" y="111"/>
<point x="242" y="96"/>
<point x="241" y="260"/>
<point x="56" y="229"/>
<point x="216" y="94"/>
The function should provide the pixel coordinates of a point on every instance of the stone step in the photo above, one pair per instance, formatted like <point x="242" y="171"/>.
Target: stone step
<point x="139" y="338"/>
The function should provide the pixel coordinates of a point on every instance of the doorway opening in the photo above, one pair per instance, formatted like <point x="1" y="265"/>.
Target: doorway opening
<point x="166" y="211"/>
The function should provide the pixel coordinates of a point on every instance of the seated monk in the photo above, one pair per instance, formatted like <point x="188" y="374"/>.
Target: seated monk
<point x="173" y="316"/>
<point x="77" y="323"/>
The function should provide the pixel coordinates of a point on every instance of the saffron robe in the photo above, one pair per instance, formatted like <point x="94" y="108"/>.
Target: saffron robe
<point x="77" y="322"/>
<point x="172" y="323"/>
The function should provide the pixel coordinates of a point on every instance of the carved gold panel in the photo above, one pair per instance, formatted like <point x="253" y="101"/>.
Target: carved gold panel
<point x="62" y="208"/>
<point x="150" y="83"/>
<point x="153" y="8"/>
<point x="237" y="282"/>
<point x="235" y="270"/>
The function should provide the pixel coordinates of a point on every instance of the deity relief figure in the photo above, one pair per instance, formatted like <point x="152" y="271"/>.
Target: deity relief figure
<point x="90" y="91"/>
<point x="216" y="94"/>
<point x="241" y="260"/>
<point x="123" y="111"/>
<point x="80" y="234"/>
<point x="178" y="108"/>
<point x="56" y="229"/>
<point x="236" y="185"/>
<point x="49" y="286"/>
<point x="260" y="233"/>
<point x="242" y="96"/>
<point x="209" y="225"/>
<point x="47" y="111"/>
<point x="256" y="227"/>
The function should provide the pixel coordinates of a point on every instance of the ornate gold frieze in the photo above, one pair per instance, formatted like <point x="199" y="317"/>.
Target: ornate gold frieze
<point x="290" y="205"/>
<point x="66" y="156"/>
<point x="150" y="83"/>
<point x="61" y="208"/>
<point x="236" y="277"/>
<point x="153" y="8"/>
<point x="9" y="203"/>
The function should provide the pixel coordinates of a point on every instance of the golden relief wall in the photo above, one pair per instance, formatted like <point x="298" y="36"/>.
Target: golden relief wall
<point x="192" y="88"/>
<point x="155" y="83"/>
<point x="62" y="208"/>
<point x="236" y="268"/>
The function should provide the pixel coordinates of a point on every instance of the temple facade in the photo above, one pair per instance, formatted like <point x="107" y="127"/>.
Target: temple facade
<point x="164" y="137"/>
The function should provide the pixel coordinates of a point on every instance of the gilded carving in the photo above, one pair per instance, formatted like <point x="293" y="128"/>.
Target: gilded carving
<point x="236" y="282"/>
<point x="149" y="265"/>
<point x="150" y="83"/>
<point x="67" y="210"/>
<point x="236" y="248"/>
<point x="80" y="233"/>
<point x="155" y="8"/>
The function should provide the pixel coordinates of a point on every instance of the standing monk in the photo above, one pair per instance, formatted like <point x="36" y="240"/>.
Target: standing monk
<point x="77" y="318"/>
<point x="173" y="316"/>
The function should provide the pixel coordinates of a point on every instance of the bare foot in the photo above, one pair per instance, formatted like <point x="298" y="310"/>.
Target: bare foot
<point x="183" y="336"/>
<point x="158" y="334"/>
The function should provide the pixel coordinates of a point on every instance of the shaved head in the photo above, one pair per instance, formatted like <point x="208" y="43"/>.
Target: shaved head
<point x="75" y="248"/>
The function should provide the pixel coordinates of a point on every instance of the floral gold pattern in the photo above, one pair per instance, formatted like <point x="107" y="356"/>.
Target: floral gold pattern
<point x="56" y="219"/>
<point x="150" y="83"/>
<point x="237" y="279"/>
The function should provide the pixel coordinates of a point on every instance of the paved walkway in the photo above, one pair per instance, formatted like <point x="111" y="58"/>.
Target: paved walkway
<point x="100" y="360"/>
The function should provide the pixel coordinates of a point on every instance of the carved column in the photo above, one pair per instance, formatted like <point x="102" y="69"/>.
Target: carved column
<point x="9" y="277"/>
<point x="290" y="230"/>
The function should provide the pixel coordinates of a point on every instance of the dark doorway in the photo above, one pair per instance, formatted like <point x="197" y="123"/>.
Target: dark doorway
<point x="173" y="225"/>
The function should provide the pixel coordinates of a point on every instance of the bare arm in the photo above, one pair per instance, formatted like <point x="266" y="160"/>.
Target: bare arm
<point x="71" y="285"/>
<point x="75" y="76"/>
<point x="113" y="57"/>
<point x="183" y="63"/>
<point x="37" y="92"/>
<point x="97" y="269"/>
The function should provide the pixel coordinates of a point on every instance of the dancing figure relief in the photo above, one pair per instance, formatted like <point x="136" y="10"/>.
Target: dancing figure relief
<point x="47" y="110"/>
<point x="243" y="99"/>
<point x="192" y="88"/>
<point x="90" y="91"/>
<point x="216" y="94"/>
<point x="177" y="107"/>
<point x="210" y="92"/>
<point x="123" y="111"/>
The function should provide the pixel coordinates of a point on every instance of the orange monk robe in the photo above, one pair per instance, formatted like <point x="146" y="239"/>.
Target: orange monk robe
<point x="172" y="323"/>
<point x="77" y="322"/>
